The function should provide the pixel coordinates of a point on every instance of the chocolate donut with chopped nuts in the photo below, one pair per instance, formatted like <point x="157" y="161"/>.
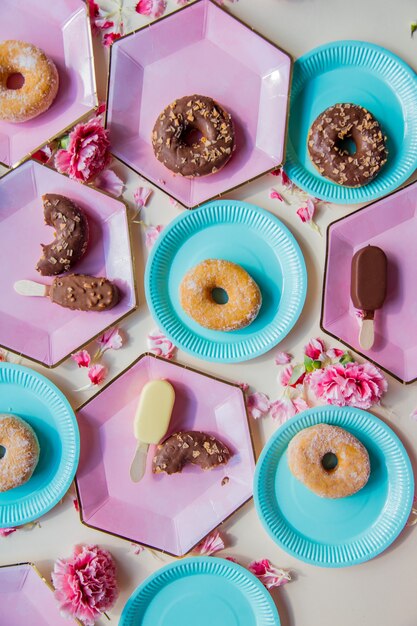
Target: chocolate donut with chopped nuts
<point x="172" y="136"/>
<point x="80" y="292"/>
<point x="329" y="155"/>
<point x="189" y="447"/>
<point x="71" y="235"/>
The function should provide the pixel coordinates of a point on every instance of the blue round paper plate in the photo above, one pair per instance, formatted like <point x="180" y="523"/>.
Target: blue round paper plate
<point x="241" y="233"/>
<point x="34" y="398"/>
<point x="346" y="531"/>
<point x="203" y="591"/>
<point x="363" y="74"/>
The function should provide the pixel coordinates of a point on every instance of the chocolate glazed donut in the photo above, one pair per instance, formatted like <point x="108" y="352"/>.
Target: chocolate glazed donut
<point x="328" y="154"/>
<point x="200" y="157"/>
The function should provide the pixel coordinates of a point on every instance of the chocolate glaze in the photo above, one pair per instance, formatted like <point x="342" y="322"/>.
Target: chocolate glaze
<point x="71" y="235"/>
<point x="203" y="157"/>
<point x="189" y="447"/>
<point x="340" y="122"/>
<point x="368" y="283"/>
<point x="84" y="293"/>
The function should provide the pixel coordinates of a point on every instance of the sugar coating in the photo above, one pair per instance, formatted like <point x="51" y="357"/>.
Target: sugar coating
<point x="307" y="449"/>
<point x="40" y="86"/>
<point x="22" y="451"/>
<point x="197" y="301"/>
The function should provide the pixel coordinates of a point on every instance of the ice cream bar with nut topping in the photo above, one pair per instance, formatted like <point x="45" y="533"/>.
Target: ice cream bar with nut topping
<point x="368" y="288"/>
<point x="78" y="292"/>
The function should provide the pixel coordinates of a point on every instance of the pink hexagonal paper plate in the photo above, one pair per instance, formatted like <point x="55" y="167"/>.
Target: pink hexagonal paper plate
<point x="391" y="224"/>
<point x="27" y="598"/>
<point x="62" y="30"/>
<point x="169" y="513"/>
<point x="35" y="327"/>
<point x="199" y="49"/>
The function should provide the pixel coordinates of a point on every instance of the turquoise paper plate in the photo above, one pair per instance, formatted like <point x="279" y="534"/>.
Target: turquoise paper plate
<point x="346" y="531"/>
<point x="246" y="235"/>
<point x="34" y="398"/>
<point x="203" y="591"/>
<point x="367" y="75"/>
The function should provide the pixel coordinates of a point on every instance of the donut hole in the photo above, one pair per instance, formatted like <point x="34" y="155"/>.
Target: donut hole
<point x="191" y="136"/>
<point x="346" y="146"/>
<point x="329" y="461"/>
<point x="2" y="451"/>
<point x="15" y="81"/>
<point x="219" y="295"/>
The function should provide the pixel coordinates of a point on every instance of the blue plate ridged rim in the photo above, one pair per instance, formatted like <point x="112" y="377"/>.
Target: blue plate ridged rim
<point x="276" y="234"/>
<point x="381" y="535"/>
<point x="255" y="592"/>
<point x="43" y="500"/>
<point x="393" y="70"/>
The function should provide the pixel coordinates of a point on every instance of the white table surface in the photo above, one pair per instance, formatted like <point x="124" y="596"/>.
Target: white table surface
<point x="379" y="593"/>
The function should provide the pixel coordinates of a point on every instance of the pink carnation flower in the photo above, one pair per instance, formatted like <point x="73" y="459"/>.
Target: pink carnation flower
<point x="355" y="384"/>
<point x="160" y="345"/>
<point x="88" y="152"/>
<point x="82" y="358"/>
<point x="258" y="405"/>
<point x="85" y="584"/>
<point x="97" y="374"/>
<point x="211" y="544"/>
<point x="269" y="575"/>
<point x="152" y="234"/>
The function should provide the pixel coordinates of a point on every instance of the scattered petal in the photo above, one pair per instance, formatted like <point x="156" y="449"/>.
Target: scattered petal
<point x="110" y="340"/>
<point x="306" y="213"/>
<point x="136" y="548"/>
<point x="141" y="196"/>
<point x="110" y="38"/>
<point x="282" y="358"/>
<point x="5" y="532"/>
<point x="269" y="575"/>
<point x="258" y="404"/>
<point x="3" y="355"/>
<point x="314" y="349"/>
<point x="110" y="182"/>
<point x="413" y="415"/>
<point x="231" y="558"/>
<point x="82" y="358"/>
<point x="211" y="544"/>
<point x="244" y="386"/>
<point x="334" y="353"/>
<point x="76" y="504"/>
<point x="160" y="345"/>
<point x="284" y="179"/>
<point x="97" y="374"/>
<point x="283" y="409"/>
<point x="152" y="234"/>
<point x="275" y="195"/>
<point x="43" y="155"/>
<point x="152" y="8"/>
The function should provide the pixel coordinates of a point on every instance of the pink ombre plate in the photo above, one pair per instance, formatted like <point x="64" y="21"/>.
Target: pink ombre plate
<point x="61" y="29"/>
<point x="391" y="224"/>
<point x="27" y="599"/>
<point x="169" y="513"/>
<point x="34" y="327"/>
<point x="199" y="49"/>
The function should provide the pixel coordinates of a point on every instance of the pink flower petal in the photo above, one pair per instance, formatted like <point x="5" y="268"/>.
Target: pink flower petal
<point x="314" y="349"/>
<point x="141" y="196"/>
<point x="334" y="353"/>
<point x="5" y="532"/>
<point x="282" y="358"/>
<point x="82" y="358"/>
<point x="211" y="544"/>
<point x="160" y="345"/>
<point x="110" y="340"/>
<point x="43" y="155"/>
<point x="110" y="182"/>
<point x="258" y="405"/>
<point x="76" y="504"/>
<point x="137" y="548"/>
<point x="151" y="8"/>
<point x="97" y="373"/>
<point x="85" y="584"/>
<point x="413" y="415"/>
<point x="110" y="38"/>
<point x="269" y="575"/>
<point x="152" y="234"/>
<point x="244" y="386"/>
<point x="283" y="409"/>
<point x="3" y="356"/>
<point x="274" y="195"/>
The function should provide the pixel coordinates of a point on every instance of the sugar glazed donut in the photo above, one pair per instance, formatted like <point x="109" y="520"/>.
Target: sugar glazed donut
<point x="307" y="454"/>
<point x="41" y="81"/>
<point x="19" y="452"/>
<point x="326" y="139"/>
<point x="196" y="295"/>
<point x="199" y="156"/>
